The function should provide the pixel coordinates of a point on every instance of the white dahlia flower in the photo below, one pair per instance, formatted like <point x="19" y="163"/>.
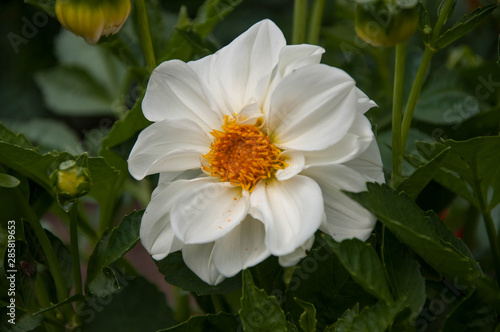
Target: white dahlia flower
<point x="254" y="145"/>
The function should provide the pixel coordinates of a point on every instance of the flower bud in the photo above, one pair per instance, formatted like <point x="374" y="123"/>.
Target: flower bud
<point x="92" y="18"/>
<point x="382" y="25"/>
<point x="70" y="181"/>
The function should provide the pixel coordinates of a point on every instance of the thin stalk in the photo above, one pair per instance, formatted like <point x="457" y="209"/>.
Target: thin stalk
<point x="145" y="34"/>
<point x="414" y="94"/>
<point x="422" y="70"/>
<point x="490" y="229"/>
<point x="183" y="309"/>
<point x="62" y="293"/>
<point x="55" y="270"/>
<point x="441" y="20"/>
<point x="315" y="23"/>
<point x="397" y="113"/>
<point x="75" y="254"/>
<point x="299" y="21"/>
<point x="43" y="299"/>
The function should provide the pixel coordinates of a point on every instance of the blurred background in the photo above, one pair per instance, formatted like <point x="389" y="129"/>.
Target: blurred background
<point x="65" y="95"/>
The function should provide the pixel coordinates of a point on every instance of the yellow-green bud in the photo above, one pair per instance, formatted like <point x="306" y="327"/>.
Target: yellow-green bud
<point x="70" y="181"/>
<point x="92" y="18"/>
<point x="382" y="25"/>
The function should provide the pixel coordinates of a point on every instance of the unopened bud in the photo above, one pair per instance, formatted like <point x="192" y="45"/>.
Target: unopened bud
<point x="385" y="25"/>
<point x="70" y="181"/>
<point x="92" y="18"/>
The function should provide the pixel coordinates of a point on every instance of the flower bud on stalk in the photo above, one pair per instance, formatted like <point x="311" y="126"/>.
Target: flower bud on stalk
<point x="381" y="23"/>
<point x="70" y="181"/>
<point x="92" y="18"/>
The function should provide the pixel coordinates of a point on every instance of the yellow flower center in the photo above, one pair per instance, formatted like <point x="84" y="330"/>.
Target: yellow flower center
<point x="242" y="155"/>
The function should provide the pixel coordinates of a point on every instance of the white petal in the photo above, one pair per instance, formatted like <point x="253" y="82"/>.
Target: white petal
<point x="369" y="163"/>
<point x="295" y="161"/>
<point x="293" y="57"/>
<point x="198" y="257"/>
<point x="168" y="146"/>
<point x="291" y="211"/>
<point x="345" y="218"/>
<point x="312" y="108"/>
<point x="353" y="144"/>
<point x="185" y="175"/>
<point x="232" y="74"/>
<point x="364" y="103"/>
<point x="243" y="247"/>
<point x="156" y="232"/>
<point x="297" y="255"/>
<point x="208" y="211"/>
<point x="174" y="92"/>
<point x="249" y="115"/>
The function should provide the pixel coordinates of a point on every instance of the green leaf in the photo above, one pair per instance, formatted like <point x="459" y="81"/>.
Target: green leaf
<point x="307" y="320"/>
<point x="211" y="13"/>
<point x="177" y="273"/>
<point x="423" y="232"/>
<point x="8" y="181"/>
<point x="8" y="136"/>
<point x="259" y="312"/>
<point x="417" y="181"/>
<point x="472" y="315"/>
<point x="475" y="161"/>
<point x="450" y="12"/>
<point x="105" y="181"/>
<point x="138" y="306"/>
<point x="48" y="134"/>
<point x="122" y="131"/>
<point x="220" y="322"/>
<point x="438" y="106"/>
<point x="102" y="278"/>
<point x="374" y="319"/>
<point x="49" y="6"/>
<point x="403" y="272"/>
<point x="346" y="319"/>
<point x="60" y="249"/>
<point x="362" y="262"/>
<point x="464" y="25"/>
<point x="30" y="163"/>
<point x="321" y="279"/>
<point x="202" y="47"/>
<point x="489" y="291"/>
<point x="177" y="47"/>
<point x="269" y="275"/>
<point x="73" y="91"/>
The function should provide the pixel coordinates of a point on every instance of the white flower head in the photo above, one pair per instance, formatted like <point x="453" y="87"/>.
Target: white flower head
<point x="254" y="145"/>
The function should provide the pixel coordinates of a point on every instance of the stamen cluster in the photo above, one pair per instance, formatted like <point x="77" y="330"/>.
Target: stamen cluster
<point x="242" y="155"/>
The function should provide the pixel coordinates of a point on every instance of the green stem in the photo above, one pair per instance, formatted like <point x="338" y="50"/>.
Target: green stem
<point x="397" y="112"/>
<point x="414" y="94"/>
<point x="299" y="21"/>
<point x="108" y="207"/>
<point x="315" y="23"/>
<point x="144" y="31"/>
<point x="441" y="20"/>
<point x="422" y="71"/>
<point x="44" y="301"/>
<point x="75" y="254"/>
<point x="490" y="229"/>
<point x="62" y="293"/>
<point x="183" y="309"/>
